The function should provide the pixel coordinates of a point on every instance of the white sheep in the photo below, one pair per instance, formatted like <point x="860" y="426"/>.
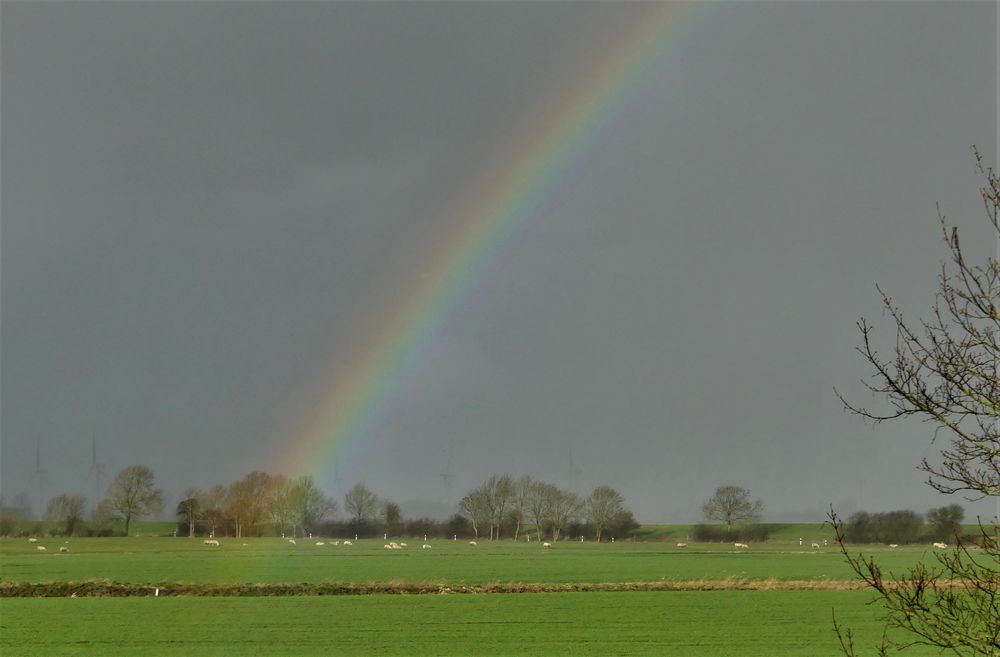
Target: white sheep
<point x="348" y="543"/>
<point x="815" y="545"/>
<point x="335" y="543"/>
<point x="425" y="547"/>
<point x="402" y="545"/>
<point x="941" y="546"/>
<point x="63" y="548"/>
<point x="682" y="545"/>
<point x="40" y="548"/>
<point x="211" y="541"/>
<point x="320" y="543"/>
<point x="546" y="545"/>
<point x="741" y="546"/>
<point x="387" y="546"/>
<point x="893" y="545"/>
<point x="394" y="545"/>
<point x="473" y="543"/>
<point x="32" y="540"/>
<point x="292" y="541"/>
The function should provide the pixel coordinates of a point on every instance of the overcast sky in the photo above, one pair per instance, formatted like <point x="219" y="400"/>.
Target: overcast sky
<point x="205" y="204"/>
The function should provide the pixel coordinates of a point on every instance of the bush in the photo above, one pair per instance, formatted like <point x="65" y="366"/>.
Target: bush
<point x="734" y="534"/>
<point x="902" y="526"/>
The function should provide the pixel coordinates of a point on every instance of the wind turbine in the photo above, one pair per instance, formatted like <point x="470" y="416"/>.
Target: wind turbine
<point x="573" y="472"/>
<point x="448" y="477"/>
<point x="96" y="470"/>
<point x="39" y="475"/>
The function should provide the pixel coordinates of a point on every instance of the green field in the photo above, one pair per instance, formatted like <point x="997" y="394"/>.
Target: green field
<point x="165" y="560"/>
<point x="691" y="623"/>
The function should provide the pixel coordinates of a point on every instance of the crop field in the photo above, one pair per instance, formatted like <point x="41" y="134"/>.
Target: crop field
<point x="777" y="618"/>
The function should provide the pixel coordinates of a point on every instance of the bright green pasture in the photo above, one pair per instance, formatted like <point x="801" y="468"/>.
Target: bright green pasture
<point x="261" y="560"/>
<point x="692" y="624"/>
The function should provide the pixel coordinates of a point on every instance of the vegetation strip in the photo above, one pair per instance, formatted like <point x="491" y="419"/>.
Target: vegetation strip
<point x="104" y="588"/>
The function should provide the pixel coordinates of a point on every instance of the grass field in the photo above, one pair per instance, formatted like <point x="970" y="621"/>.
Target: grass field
<point x="690" y="623"/>
<point x="165" y="560"/>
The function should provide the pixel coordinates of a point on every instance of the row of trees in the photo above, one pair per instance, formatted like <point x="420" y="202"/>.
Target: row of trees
<point x="942" y="523"/>
<point x="256" y="504"/>
<point x="505" y="504"/>
<point x="131" y="495"/>
<point x="266" y="504"/>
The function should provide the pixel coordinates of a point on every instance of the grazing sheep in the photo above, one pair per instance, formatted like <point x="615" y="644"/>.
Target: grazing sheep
<point x="741" y="546"/>
<point x="387" y="546"/>
<point x="292" y="541"/>
<point x="941" y="546"/>
<point x="394" y="545"/>
<point x="815" y="545"/>
<point x="335" y="543"/>
<point x="682" y="545"/>
<point x="63" y="548"/>
<point x="546" y="545"/>
<point x="893" y="545"/>
<point x="425" y="547"/>
<point x="211" y="541"/>
<point x="473" y="543"/>
<point x="40" y="548"/>
<point x="348" y="543"/>
<point x="402" y="545"/>
<point x="320" y="543"/>
<point x="32" y="540"/>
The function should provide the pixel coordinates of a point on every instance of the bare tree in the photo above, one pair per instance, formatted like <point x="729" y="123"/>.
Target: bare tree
<point x="283" y="508"/>
<point x="189" y="509"/>
<point x="361" y="503"/>
<point x="392" y="517"/>
<point x="540" y="497"/>
<point x="67" y="509"/>
<point x="213" y="503"/>
<point x="476" y="507"/>
<point x="944" y="370"/>
<point x="248" y="501"/>
<point x="519" y="501"/>
<point x="603" y="506"/>
<point x="498" y="490"/>
<point x="131" y="494"/>
<point x="564" y="508"/>
<point x="311" y="504"/>
<point x="732" y="504"/>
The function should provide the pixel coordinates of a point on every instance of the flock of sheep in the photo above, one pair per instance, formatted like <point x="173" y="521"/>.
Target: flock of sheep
<point x="392" y="545"/>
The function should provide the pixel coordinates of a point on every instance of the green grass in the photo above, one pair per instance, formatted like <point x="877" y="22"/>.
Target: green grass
<point x="689" y="623"/>
<point x="164" y="560"/>
<point x="692" y="624"/>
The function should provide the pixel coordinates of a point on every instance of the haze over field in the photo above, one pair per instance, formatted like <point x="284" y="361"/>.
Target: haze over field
<point x="209" y="208"/>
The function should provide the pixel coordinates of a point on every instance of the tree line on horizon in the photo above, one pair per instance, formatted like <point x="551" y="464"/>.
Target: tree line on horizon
<point x="264" y="504"/>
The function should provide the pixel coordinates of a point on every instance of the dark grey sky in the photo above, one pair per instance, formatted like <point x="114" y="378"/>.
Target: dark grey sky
<point x="203" y="205"/>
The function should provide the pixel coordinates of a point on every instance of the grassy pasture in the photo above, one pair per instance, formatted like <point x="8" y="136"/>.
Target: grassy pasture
<point x="269" y="560"/>
<point x="690" y="623"/>
<point x="693" y="624"/>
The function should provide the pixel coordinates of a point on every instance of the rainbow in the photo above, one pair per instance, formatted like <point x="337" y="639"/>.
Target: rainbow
<point x="483" y="225"/>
